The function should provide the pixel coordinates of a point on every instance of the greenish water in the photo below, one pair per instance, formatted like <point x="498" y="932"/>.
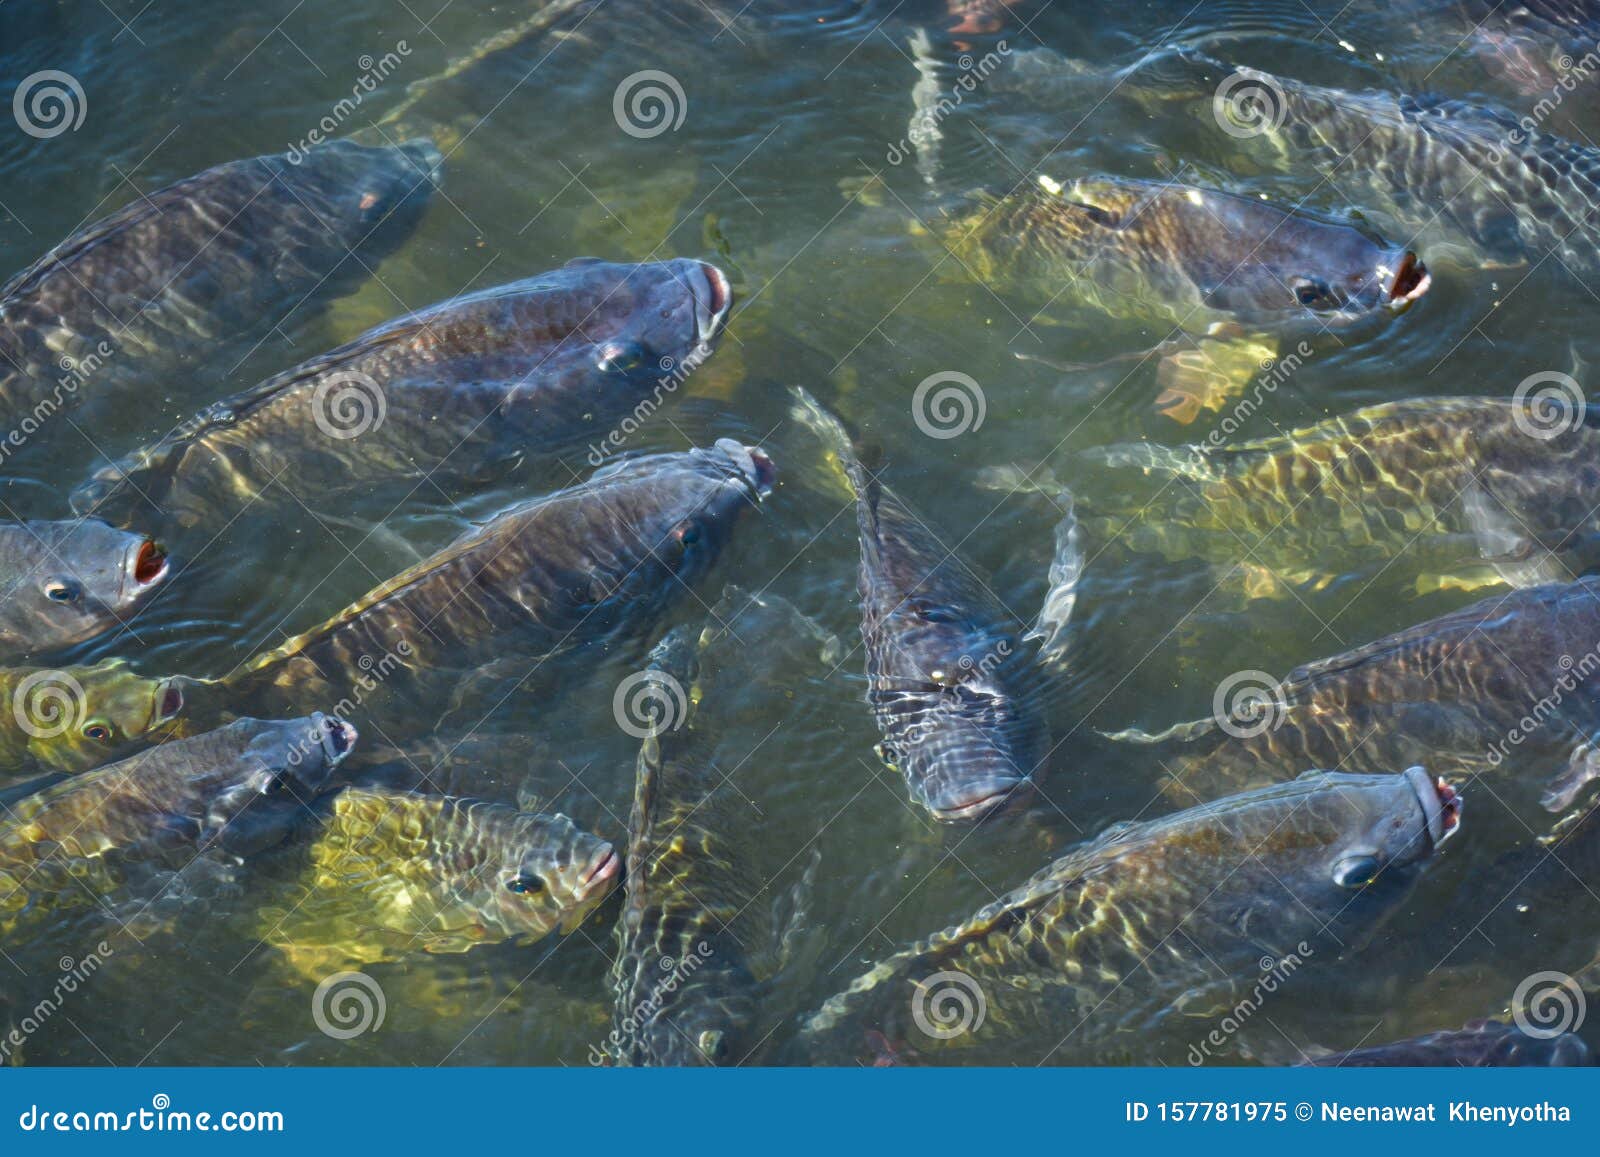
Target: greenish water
<point x="783" y="171"/>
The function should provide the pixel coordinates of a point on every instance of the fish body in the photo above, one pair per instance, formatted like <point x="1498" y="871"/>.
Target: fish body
<point x="1151" y="926"/>
<point x="64" y="582"/>
<point x="953" y="686"/>
<point x="237" y="790"/>
<point x="447" y="393"/>
<point x="74" y="718"/>
<point x="1481" y="1044"/>
<point x="216" y="257"/>
<point x="393" y="872"/>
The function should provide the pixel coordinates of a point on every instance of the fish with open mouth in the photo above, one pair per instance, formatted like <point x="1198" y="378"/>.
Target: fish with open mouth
<point x="1480" y="1044"/>
<point x="64" y="582"/>
<point x="1480" y="491"/>
<point x="591" y="565"/>
<point x="450" y="393"/>
<point x="1098" y="956"/>
<point x="1226" y="272"/>
<point x="395" y="872"/>
<point x="1502" y="687"/>
<point x="952" y="679"/>
<point x="216" y="258"/>
<point x="70" y="719"/>
<point x="236" y="792"/>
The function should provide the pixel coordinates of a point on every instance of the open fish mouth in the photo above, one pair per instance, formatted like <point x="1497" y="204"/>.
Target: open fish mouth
<point x="712" y="303"/>
<point x="168" y="703"/>
<point x="146" y="567"/>
<point x="1411" y="281"/>
<point x="758" y="470"/>
<point x="338" y="739"/>
<point x="1441" y="803"/>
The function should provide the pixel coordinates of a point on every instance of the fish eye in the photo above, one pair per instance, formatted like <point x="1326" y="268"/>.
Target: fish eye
<point x="97" y="731"/>
<point x="688" y="534"/>
<point x="524" y="885"/>
<point x="1312" y="293"/>
<point x="713" y="1044"/>
<point x="62" y="591"/>
<point x="620" y="357"/>
<point x="277" y="785"/>
<point x="1356" y="871"/>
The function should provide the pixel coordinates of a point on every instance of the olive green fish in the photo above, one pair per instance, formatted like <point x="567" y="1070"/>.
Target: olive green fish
<point x="64" y="582"/>
<point x="70" y="719"/>
<point x="1116" y="950"/>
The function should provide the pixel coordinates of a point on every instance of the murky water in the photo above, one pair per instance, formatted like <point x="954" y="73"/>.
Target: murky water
<point x="790" y="168"/>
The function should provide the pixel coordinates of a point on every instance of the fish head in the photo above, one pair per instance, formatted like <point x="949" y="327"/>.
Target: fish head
<point x="80" y="717"/>
<point x="361" y="190"/>
<point x="709" y="1023"/>
<point x="550" y="875"/>
<point x="283" y="767"/>
<point x="77" y="580"/>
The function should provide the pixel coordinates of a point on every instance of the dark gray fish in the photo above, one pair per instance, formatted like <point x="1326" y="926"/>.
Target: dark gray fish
<point x="1503" y="686"/>
<point x="1114" y="950"/>
<point x="586" y="566"/>
<point x="238" y="790"/>
<point x="951" y="681"/>
<point x="64" y="582"/>
<point x="449" y="393"/>
<point x="217" y="257"/>
<point x="1480" y="1044"/>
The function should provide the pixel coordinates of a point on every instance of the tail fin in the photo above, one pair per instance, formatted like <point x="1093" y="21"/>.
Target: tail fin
<point x="846" y="474"/>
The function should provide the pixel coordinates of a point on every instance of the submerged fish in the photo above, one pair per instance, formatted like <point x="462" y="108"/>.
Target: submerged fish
<point x="954" y="687"/>
<point x="70" y="719"/>
<point x="585" y="566"/>
<point x="64" y="582"/>
<point x="1510" y="482"/>
<point x="393" y="872"/>
<point x="1152" y="923"/>
<point x="448" y="393"/>
<point x="238" y="790"/>
<point x="1503" y="682"/>
<point x="218" y="256"/>
<point x="1481" y="1044"/>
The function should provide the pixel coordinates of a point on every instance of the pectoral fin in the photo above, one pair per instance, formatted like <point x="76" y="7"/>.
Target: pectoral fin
<point x="1205" y="377"/>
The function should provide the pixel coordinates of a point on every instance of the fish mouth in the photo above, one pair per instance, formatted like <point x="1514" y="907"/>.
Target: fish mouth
<point x="712" y="308"/>
<point x="1441" y="804"/>
<point x="1410" y="282"/>
<point x="147" y="565"/>
<point x="601" y="875"/>
<point x="759" y="472"/>
<point x="168" y="703"/>
<point x="979" y="800"/>
<point x="338" y="738"/>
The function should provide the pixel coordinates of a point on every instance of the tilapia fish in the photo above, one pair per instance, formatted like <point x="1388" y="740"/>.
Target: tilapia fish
<point x="394" y="872"/>
<point x="70" y="719"/>
<point x="1152" y="924"/>
<point x="237" y="790"/>
<point x="220" y="256"/>
<point x="584" y="566"/>
<point x="64" y="582"/>
<point x="1481" y="1044"/>
<point x="1500" y="687"/>
<point x="449" y="393"/>
<point x="1512" y="483"/>
<point x="953" y="685"/>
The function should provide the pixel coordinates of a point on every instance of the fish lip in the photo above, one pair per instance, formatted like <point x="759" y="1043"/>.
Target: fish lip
<point x="711" y="312"/>
<point x="602" y="873"/>
<point x="756" y="468"/>
<point x="1411" y="281"/>
<point x="168" y="703"/>
<point x="982" y="800"/>
<point x="338" y="738"/>
<point x="146" y="566"/>
<point x="1441" y="804"/>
